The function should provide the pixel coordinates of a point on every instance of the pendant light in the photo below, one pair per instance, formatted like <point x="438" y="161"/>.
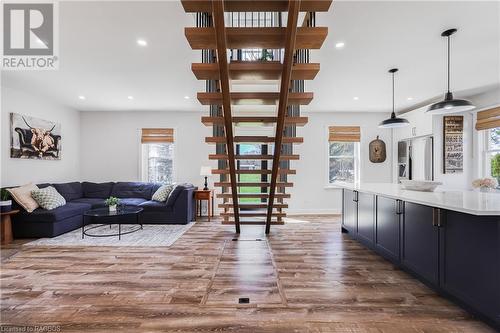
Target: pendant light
<point x="394" y="121"/>
<point x="450" y="104"/>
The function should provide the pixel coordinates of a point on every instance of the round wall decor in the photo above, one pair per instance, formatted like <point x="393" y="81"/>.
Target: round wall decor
<point x="377" y="151"/>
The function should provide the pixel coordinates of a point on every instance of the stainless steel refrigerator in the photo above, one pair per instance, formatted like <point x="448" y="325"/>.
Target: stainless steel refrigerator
<point x="416" y="158"/>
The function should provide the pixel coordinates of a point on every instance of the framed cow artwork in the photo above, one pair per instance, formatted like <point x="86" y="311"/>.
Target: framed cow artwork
<point x="34" y="138"/>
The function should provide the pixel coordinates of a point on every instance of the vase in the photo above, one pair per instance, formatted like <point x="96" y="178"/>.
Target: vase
<point x="485" y="189"/>
<point x="112" y="208"/>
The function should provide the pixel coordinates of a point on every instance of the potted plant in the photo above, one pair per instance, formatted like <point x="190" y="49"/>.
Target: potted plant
<point x="5" y="203"/>
<point x="112" y="202"/>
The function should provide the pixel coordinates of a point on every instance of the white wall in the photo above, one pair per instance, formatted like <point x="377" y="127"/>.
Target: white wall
<point x="21" y="171"/>
<point x="110" y="151"/>
<point x="110" y="144"/>
<point x="311" y="193"/>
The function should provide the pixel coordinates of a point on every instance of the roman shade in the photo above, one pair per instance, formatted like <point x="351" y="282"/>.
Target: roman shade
<point x="157" y="135"/>
<point x="488" y="119"/>
<point x="344" y="133"/>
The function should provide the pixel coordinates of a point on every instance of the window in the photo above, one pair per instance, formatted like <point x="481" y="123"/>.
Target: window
<point x="157" y="155"/>
<point x="343" y="154"/>
<point x="343" y="162"/>
<point x="492" y="153"/>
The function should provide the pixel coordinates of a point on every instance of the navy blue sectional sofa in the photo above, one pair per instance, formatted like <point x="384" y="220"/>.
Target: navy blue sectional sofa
<point x="80" y="197"/>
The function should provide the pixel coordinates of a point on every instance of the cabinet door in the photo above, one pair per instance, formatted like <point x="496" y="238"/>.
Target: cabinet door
<point x="470" y="261"/>
<point x="350" y="212"/>
<point x="366" y="218"/>
<point x="387" y="228"/>
<point x="420" y="242"/>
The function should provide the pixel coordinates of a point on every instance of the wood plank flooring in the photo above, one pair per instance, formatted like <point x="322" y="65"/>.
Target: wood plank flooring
<point x="305" y="277"/>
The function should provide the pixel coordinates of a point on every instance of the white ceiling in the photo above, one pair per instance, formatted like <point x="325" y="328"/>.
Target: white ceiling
<point x="99" y="57"/>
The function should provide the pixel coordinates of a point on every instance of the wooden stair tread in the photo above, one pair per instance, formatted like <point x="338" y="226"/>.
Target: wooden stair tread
<point x="255" y="38"/>
<point x="254" y="214"/>
<point x="254" y="172"/>
<point x="253" y="195"/>
<point x="253" y="139"/>
<point x="195" y="6"/>
<point x="261" y="184"/>
<point x="255" y="70"/>
<point x="210" y="121"/>
<point x="255" y="98"/>
<point x="253" y="157"/>
<point x="252" y="206"/>
<point x="253" y="222"/>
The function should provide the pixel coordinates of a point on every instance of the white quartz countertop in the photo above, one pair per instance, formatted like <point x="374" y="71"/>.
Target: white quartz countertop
<point x="470" y="202"/>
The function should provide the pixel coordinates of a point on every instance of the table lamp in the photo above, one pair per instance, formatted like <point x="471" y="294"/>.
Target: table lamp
<point x="205" y="171"/>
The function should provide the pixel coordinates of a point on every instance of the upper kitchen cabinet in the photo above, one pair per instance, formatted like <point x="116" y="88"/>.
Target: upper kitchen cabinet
<point x="420" y="124"/>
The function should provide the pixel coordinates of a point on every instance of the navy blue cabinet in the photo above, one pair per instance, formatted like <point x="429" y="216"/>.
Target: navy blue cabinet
<point x="420" y="241"/>
<point x="350" y="211"/>
<point x="387" y="227"/>
<point x="366" y="218"/>
<point x="470" y="261"/>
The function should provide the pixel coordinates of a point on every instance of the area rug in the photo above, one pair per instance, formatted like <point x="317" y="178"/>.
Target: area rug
<point x="149" y="236"/>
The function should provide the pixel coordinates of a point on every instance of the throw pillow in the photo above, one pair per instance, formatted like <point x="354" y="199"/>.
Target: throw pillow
<point x="163" y="193"/>
<point x="22" y="195"/>
<point x="48" y="198"/>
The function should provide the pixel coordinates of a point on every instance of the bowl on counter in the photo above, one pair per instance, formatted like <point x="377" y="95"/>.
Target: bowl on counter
<point x="420" y="185"/>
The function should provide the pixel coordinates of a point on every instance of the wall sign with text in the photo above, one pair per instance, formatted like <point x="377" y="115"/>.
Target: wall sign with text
<point x="453" y="144"/>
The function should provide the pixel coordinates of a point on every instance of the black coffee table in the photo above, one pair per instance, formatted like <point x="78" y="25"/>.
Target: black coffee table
<point x="104" y="217"/>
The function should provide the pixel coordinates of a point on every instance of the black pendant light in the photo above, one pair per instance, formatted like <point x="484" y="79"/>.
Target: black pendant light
<point x="450" y="104"/>
<point x="394" y="121"/>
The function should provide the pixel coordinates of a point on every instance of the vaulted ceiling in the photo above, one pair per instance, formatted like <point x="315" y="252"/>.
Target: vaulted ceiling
<point x="100" y="58"/>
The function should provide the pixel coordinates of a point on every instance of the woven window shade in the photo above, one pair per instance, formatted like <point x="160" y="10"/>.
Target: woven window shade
<point x="344" y="133"/>
<point x="488" y="119"/>
<point x="157" y="135"/>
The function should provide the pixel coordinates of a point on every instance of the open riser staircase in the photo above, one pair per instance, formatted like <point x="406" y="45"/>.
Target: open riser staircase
<point x="255" y="61"/>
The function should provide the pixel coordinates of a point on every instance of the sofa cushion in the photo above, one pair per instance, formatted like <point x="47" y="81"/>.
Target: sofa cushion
<point x="60" y="213"/>
<point x="48" y="198"/>
<point x="155" y="206"/>
<point x="93" y="202"/>
<point x="131" y="201"/>
<point x="163" y="193"/>
<point x="97" y="190"/>
<point x="132" y="190"/>
<point x="22" y="196"/>
<point x="176" y="192"/>
<point x="70" y="191"/>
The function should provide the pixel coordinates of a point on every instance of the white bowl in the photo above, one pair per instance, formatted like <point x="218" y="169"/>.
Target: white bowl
<point x="420" y="185"/>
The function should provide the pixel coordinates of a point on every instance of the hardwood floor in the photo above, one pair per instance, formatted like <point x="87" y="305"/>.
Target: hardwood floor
<point x="305" y="277"/>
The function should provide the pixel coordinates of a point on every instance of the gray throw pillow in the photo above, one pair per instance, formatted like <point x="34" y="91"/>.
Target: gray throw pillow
<point x="48" y="198"/>
<point x="163" y="193"/>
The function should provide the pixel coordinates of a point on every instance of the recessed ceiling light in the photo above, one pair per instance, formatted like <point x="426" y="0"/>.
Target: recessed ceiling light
<point x="186" y="97"/>
<point x="355" y="98"/>
<point x="130" y="97"/>
<point x="410" y="98"/>
<point x="339" y="45"/>
<point x="81" y="97"/>
<point x="142" y="42"/>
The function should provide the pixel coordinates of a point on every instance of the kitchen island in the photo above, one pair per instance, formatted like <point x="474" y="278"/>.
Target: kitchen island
<point x="448" y="239"/>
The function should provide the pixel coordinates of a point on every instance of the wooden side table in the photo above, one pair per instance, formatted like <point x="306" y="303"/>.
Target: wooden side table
<point x="199" y="196"/>
<point x="6" y="228"/>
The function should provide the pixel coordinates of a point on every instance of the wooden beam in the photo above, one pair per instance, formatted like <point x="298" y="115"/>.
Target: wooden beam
<point x="250" y="38"/>
<point x="297" y="121"/>
<point x="253" y="172"/>
<point x="291" y="34"/>
<point x="258" y="184"/>
<point x="220" y="34"/>
<point x="195" y="6"/>
<point x="254" y="98"/>
<point x="253" y="139"/>
<point x="253" y="157"/>
<point x="255" y="70"/>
